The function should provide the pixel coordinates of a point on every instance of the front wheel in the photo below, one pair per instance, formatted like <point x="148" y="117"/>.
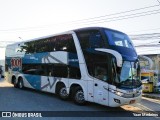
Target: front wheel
<point x="78" y="96"/>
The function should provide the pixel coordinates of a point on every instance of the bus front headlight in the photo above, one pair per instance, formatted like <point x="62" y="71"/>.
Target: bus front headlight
<point x="119" y="93"/>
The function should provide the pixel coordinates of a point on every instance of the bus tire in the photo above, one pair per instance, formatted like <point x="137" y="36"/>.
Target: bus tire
<point x="15" y="85"/>
<point x="20" y="83"/>
<point x="14" y="82"/>
<point x="62" y="93"/>
<point x="78" y="96"/>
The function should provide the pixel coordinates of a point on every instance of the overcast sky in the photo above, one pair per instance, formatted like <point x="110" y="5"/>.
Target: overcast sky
<point x="26" y="19"/>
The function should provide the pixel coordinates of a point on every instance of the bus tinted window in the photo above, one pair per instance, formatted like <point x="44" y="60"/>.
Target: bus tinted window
<point x="97" y="66"/>
<point x="90" y="39"/>
<point x="56" y="43"/>
<point x="60" y="71"/>
<point x="74" y="72"/>
<point x="55" y="70"/>
<point x="32" y="69"/>
<point x="118" y="39"/>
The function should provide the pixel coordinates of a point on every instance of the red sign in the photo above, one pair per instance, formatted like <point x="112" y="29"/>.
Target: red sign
<point x="16" y="63"/>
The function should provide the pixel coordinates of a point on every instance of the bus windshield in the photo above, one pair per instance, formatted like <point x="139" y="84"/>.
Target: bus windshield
<point x="118" y="39"/>
<point x="129" y="75"/>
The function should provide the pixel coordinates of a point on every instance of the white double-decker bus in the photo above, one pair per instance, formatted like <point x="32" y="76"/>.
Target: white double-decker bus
<point x="89" y="64"/>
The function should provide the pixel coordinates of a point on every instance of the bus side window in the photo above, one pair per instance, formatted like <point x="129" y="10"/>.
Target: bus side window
<point x="74" y="72"/>
<point x="95" y="40"/>
<point x="90" y="39"/>
<point x="50" y="70"/>
<point x="60" y="71"/>
<point x="101" y="72"/>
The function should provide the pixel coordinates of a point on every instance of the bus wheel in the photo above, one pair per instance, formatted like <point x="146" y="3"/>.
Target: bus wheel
<point x="78" y="96"/>
<point x="15" y="85"/>
<point x="14" y="82"/>
<point x="20" y="84"/>
<point x="62" y="93"/>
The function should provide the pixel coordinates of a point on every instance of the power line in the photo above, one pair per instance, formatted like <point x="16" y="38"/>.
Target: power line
<point x="85" y="20"/>
<point x="158" y="2"/>
<point x="143" y="30"/>
<point x="118" y="13"/>
<point x="146" y="51"/>
<point x="149" y="42"/>
<point x="155" y="37"/>
<point x="148" y="45"/>
<point x="101" y="21"/>
<point x="124" y="17"/>
<point x="145" y="36"/>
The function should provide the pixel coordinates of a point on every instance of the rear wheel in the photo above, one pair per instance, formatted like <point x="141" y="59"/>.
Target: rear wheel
<point x="78" y="96"/>
<point x="62" y="93"/>
<point x="14" y="82"/>
<point x="20" y="84"/>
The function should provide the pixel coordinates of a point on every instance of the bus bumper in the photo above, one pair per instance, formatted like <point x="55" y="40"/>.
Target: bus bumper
<point x="116" y="101"/>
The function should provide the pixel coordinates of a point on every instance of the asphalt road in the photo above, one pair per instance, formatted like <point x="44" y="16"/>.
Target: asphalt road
<point x="13" y="99"/>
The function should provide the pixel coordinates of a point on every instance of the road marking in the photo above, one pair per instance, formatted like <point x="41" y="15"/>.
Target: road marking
<point x="147" y="109"/>
<point x="131" y="108"/>
<point x="152" y="100"/>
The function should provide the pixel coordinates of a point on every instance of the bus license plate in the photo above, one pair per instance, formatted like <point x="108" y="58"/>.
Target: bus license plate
<point x="132" y="101"/>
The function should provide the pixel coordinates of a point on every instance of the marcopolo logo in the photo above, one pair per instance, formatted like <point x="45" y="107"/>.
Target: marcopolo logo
<point x="16" y="63"/>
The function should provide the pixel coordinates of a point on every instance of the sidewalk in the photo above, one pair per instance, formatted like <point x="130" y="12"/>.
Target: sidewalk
<point x="4" y="83"/>
<point x="151" y="95"/>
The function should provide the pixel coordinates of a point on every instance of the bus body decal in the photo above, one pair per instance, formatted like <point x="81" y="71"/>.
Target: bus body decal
<point x="49" y="84"/>
<point x="34" y="81"/>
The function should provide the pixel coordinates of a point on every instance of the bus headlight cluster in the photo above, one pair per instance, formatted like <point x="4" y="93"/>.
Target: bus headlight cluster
<point x="126" y="95"/>
<point x="117" y="92"/>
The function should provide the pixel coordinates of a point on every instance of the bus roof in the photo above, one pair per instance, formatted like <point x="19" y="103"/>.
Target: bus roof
<point x="96" y="28"/>
<point x="67" y="32"/>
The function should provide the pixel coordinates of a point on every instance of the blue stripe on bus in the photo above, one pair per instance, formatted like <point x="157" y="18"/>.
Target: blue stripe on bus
<point x="34" y="58"/>
<point x="34" y="81"/>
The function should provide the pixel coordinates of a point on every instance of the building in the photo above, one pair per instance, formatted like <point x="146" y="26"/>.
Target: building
<point x="156" y="64"/>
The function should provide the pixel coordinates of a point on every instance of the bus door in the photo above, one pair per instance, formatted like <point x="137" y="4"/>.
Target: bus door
<point x="100" y="83"/>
